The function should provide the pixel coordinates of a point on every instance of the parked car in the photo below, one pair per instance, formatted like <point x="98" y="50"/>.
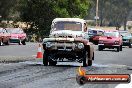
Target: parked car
<point x="17" y="35"/>
<point x="94" y="35"/>
<point x="4" y="37"/>
<point x="127" y="38"/>
<point x="68" y="41"/>
<point x="110" y="39"/>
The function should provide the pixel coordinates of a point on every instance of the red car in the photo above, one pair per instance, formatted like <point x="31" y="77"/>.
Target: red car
<point x="17" y="35"/>
<point x="4" y="37"/>
<point x="110" y="39"/>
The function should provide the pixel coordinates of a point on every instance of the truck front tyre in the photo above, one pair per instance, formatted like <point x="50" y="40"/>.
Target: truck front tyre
<point x="45" y="58"/>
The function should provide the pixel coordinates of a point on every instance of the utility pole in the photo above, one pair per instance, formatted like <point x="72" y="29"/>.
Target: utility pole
<point x="97" y="17"/>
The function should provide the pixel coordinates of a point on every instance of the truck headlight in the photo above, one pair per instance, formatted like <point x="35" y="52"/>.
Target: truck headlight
<point x="80" y="45"/>
<point x="48" y="44"/>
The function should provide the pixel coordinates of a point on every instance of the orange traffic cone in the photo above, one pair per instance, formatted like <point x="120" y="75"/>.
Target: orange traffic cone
<point x="39" y="53"/>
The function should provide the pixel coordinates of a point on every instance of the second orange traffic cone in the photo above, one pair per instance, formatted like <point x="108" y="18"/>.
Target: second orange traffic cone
<point x="39" y="53"/>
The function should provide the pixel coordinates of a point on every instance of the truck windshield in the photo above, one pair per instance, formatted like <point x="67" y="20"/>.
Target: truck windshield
<point x="111" y="34"/>
<point x="65" y="25"/>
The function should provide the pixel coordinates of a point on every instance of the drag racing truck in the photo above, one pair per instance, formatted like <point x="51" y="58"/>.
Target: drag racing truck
<point x="68" y="41"/>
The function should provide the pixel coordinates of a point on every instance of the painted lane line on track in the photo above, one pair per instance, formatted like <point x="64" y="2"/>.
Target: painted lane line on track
<point x="129" y="85"/>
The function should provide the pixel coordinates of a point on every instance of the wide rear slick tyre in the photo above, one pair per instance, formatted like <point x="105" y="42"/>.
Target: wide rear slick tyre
<point x="85" y="59"/>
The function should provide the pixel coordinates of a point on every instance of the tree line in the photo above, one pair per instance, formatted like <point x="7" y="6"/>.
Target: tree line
<point x="40" y="13"/>
<point x="112" y="12"/>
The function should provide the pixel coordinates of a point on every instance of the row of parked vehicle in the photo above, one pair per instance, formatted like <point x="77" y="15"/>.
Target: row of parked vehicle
<point x="110" y="38"/>
<point x="12" y="35"/>
<point x="70" y="40"/>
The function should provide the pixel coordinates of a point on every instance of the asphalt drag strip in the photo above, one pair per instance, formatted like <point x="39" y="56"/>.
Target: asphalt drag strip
<point x="32" y="74"/>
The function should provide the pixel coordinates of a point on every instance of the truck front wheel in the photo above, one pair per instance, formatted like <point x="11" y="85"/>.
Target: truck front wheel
<point x="45" y="58"/>
<point x="85" y="59"/>
<point x="52" y="63"/>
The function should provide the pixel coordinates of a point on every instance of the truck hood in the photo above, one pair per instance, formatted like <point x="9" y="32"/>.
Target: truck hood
<point x="67" y="33"/>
